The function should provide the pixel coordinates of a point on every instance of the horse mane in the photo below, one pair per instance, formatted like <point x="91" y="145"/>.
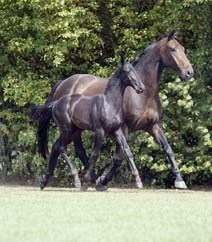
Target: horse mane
<point x="148" y="48"/>
<point x="113" y="77"/>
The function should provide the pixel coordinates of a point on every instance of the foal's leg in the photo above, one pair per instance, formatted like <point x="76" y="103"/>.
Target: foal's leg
<point x="158" y="134"/>
<point x="120" y="139"/>
<point x="66" y="139"/>
<point x="74" y="172"/>
<point x="103" y="180"/>
<point x="95" y="153"/>
<point x="118" y="158"/>
<point x="81" y="153"/>
<point x="55" y="152"/>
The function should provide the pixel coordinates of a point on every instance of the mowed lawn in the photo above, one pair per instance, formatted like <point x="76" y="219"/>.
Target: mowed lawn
<point x="118" y="215"/>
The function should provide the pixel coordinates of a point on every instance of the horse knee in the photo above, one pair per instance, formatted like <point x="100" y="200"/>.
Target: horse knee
<point x="168" y="150"/>
<point x="128" y="152"/>
<point x="62" y="149"/>
<point x="117" y="163"/>
<point x="94" y="156"/>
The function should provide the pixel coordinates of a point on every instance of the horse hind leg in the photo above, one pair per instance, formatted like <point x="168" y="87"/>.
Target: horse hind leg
<point x="81" y="153"/>
<point x="55" y="152"/>
<point x="95" y="153"/>
<point x="58" y="149"/>
<point x="74" y="172"/>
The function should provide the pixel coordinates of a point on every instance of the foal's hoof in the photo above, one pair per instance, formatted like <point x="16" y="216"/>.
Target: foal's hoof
<point x="77" y="182"/>
<point x="99" y="186"/>
<point x="93" y="177"/>
<point x="180" y="185"/>
<point x="84" y="187"/>
<point x="43" y="181"/>
<point x="139" y="185"/>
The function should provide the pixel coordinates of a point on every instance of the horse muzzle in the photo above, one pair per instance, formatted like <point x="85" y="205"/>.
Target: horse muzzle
<point x="187" y="74"/>
<point x="140" y="89"/>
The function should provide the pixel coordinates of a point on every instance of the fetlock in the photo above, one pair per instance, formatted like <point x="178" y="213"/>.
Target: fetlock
<point x="44" y="180"/>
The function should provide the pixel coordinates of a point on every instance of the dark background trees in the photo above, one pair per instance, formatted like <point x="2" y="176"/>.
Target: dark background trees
<point x="46" y="41"/>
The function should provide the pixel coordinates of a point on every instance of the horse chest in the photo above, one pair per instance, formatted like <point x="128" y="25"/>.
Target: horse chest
<point x="143" y="119"/>
<point x="111" y="120"/>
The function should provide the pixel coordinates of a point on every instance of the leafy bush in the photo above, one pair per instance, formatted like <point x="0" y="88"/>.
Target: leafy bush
<point x="42" y="42"/>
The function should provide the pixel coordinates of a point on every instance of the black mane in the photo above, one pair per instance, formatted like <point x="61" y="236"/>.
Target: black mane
<point x="147" y="49"/>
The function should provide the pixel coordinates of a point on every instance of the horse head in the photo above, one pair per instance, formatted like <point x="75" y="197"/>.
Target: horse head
<point x="131" y="76"/>
<point x="173" y="56"/>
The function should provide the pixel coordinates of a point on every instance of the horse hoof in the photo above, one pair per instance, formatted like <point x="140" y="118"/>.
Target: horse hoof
<point x="180" y="185"/>
<point x="43" y="182"/>
<point x="93" y="177"/>
<point x="77" y="183"/>
<point x="84" y="188"/>
<point x="99" y="186"/>
<point x="139" y="185"/>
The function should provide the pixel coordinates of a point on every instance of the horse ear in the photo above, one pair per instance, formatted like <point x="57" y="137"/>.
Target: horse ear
<point x="173" y="35"/>
<point x="122" y="55"/>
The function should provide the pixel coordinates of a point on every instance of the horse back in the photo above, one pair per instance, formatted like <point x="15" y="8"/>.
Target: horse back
<point x="88" y="85"/>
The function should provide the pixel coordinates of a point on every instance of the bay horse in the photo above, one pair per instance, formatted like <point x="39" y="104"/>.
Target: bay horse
<point x="142" y="111"/>
<point x="102" y="113"/>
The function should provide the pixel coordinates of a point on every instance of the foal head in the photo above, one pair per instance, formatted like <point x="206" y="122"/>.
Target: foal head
<point x="130" y="77"/>
<point x="173" y="56"/>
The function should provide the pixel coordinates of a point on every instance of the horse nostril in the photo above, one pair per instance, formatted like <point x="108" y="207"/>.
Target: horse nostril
<point x="189" y="73"/>
<point x="141" y="89"/>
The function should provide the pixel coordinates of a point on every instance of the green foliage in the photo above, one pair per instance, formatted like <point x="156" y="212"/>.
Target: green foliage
<point x="46" y="41"/>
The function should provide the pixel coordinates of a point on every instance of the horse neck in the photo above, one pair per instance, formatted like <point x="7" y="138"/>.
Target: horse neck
<point x="114" y="91"/>
<point x="149" y="66"/>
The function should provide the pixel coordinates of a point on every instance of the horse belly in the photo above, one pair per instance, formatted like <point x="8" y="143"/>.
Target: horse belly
<point x="80" y="114"/>
<point x="145" y="120"/>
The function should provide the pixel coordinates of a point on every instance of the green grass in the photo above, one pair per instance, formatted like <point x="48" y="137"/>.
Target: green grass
<point x="118" y="215"/>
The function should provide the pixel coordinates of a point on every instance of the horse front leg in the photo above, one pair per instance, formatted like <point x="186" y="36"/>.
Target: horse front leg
<point x="55" y="152"/>
<point x="159" y="136"/>
<point x="102" y="181"/>
<point x="94" y="155"/>
<point x="121" y="141"/>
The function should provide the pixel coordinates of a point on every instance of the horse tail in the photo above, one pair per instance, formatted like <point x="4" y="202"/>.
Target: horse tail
<point x="42" y="114"/>
<point x="43" y="119"/>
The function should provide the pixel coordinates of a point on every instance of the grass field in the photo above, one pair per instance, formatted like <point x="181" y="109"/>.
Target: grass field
<point x="118" y="215"/>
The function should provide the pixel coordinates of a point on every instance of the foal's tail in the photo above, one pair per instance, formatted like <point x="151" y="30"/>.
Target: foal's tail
<point x="43" y="119"/>
<point x="42" y="114"/>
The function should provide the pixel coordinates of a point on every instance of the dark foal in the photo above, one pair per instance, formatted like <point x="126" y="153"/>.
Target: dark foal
<point x="142" y="112"/>
<point x="102" y="114"/>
